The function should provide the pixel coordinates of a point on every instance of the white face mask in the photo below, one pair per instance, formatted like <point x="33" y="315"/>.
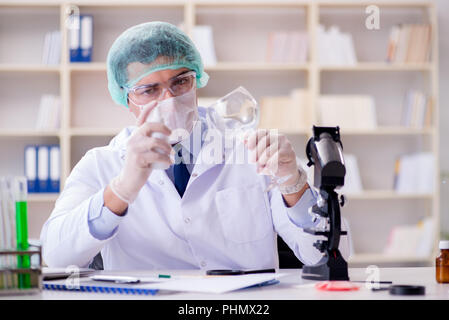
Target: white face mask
<point x="178" y="114"/>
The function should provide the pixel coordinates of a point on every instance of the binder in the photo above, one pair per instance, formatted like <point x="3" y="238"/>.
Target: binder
<point x="43" y="168"/>
<point x="54" y="168"/>
<point x="74" y="46"/>
<point x="91" y="286"/>
<point x="31" y="168"/>
<point x="86" y="38"/>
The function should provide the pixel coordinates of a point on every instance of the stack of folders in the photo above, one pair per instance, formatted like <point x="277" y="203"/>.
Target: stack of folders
<point x="81" y="39"/>
<point x="43" y="168"/>
<point x="409" y="43"/>
<point x="287" y="47"/>
<point x="415" y="240"/>
<point x="49" y="114"/>
<point x="52" y="48"/>
<point x="335" y="47"/>
<point x="416" y="110"/>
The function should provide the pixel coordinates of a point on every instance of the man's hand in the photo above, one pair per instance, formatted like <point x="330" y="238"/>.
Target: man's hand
<point x="142" y="151"/>
<point x="274" y="155"/>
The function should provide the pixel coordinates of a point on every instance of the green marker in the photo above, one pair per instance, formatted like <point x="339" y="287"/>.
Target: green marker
<point x="23" y="261"/>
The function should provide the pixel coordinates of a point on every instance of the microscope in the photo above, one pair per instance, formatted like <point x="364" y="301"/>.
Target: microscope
<point x="325" y="151"/>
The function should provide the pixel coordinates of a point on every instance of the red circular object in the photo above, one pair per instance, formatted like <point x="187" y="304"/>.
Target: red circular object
<point x="336" y="286"/>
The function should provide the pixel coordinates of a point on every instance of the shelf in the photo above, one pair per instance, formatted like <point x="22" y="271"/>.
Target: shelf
<point x="222" y="66"/>
<point x="247" y="66"/>
<point x="383" y="258"/>
<point x="386" y="195"/>
<point x="88" y="66"/>
<point x="385" y="131"/>
<point x="27" y="4"/>
<point x="302" y="132"/>
<point x="28" y="133"/>
<point x="252" y="4"/>
<point x="379" y="66"/>
<point x="29" y="68"/>
<point x="94" y="132"/>
<point x="391" y="4"/>
<point x="127" y="4"/>
<point x="42" y="197"/>
<point x="381" y="131"/>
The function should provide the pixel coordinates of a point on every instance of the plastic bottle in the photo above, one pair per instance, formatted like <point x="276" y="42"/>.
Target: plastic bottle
<point x="442" y="263"/>
<point x="155" y="116"/>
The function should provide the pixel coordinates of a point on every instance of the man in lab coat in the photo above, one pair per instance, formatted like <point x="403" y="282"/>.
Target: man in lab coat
<point x="193" y="213"/>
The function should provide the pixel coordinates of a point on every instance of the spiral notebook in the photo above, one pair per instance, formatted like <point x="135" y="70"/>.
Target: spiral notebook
<point x="94" y="286"/>
<point x="195" y="283"/>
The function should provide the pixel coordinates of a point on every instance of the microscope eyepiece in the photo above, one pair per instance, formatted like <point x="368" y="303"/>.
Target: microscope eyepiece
<point x="325" y="151"/>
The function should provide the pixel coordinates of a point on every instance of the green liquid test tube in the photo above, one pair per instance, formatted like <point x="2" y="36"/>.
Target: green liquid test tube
<point x="23" y="261"/>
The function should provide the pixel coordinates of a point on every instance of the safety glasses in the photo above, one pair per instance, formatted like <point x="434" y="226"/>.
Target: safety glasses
<point x="144" y="94"/>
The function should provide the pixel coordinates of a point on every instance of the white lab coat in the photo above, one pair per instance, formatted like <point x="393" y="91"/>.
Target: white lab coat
<point x="224" y="220"/>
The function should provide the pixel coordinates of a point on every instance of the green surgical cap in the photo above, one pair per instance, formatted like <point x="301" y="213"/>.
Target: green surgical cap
<point x="146" y="48"/>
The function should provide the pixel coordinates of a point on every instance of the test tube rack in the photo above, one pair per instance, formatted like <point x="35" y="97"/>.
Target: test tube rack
<point x="9" y="272"/>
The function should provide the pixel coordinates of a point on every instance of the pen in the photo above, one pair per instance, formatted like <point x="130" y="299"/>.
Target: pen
<point x="376" y="282"/>
<point x="128" y="279"/>
<point x="235" y="272"/>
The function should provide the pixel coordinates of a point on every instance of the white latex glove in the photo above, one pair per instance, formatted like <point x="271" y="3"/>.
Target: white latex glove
<point x="274" y="155"/>
<point x="142" y="151"/>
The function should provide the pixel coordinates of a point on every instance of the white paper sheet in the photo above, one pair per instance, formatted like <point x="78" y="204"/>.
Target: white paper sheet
<point x="212" y="284"/>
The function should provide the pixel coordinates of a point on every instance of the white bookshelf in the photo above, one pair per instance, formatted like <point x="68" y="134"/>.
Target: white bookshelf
<point x="86" y="100"/>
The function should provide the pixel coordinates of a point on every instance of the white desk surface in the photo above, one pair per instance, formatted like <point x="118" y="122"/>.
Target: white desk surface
<point x="289" y="288"/>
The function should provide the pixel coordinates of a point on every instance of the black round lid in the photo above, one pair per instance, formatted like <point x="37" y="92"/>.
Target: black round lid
<point x="407" y="290"/>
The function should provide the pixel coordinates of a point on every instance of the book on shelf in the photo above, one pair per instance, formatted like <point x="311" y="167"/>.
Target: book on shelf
<point x="349" y="112"/>
<point x="49" y="113"/>
<point x="414" y="173"/>
<point x="52" y="48"/>
<point x="416" y="110"/>
<point x="353" y="181"/>
<point x="287" y="113"/>
<point x="412" y="240"/>
<point x="202" y="36"/>
<point x="335" y="47"/>
<point x="409" y="43"/>
<point x="287" y="47"/>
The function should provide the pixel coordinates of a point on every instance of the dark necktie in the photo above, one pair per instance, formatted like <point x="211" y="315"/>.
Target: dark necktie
<point x="181" y="174"/>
